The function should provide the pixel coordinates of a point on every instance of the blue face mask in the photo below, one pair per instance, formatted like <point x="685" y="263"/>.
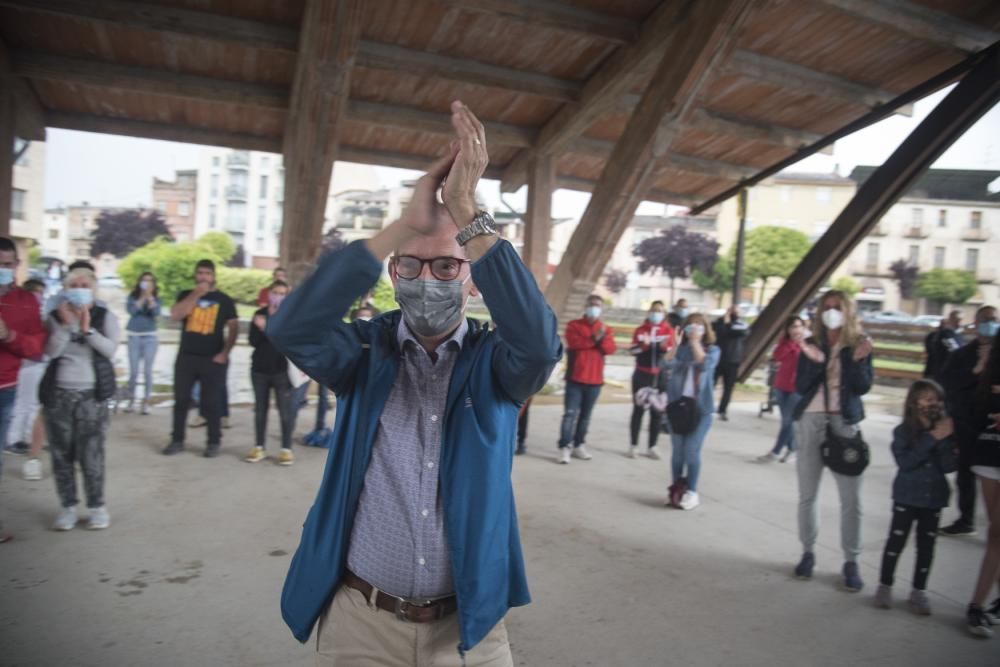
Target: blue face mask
<point x="988" y="329"/>
<point x="593" y="312"/>
<point x="656" y="317"/>
<point x="6" y="276"/>
<point x="682" y="312"/>
<point x="80" y="296"/>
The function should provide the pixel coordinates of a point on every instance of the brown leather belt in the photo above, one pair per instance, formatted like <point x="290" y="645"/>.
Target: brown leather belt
<point x="412" y="611"/>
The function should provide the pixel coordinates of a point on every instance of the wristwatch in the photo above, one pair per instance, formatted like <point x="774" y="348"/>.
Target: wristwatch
<point x="482" y="225"/>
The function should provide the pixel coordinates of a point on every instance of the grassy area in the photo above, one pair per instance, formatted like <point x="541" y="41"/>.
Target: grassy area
<point x="245" y="312"/>
<point x="897" y="365"/>
<point x="909" y="347"/>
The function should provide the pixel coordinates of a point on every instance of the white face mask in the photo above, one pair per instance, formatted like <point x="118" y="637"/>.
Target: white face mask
<point x="833" y="319"/>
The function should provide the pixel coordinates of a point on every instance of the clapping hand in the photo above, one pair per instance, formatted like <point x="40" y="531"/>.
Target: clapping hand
<point x="863" y="349"/>
<point x="459" y="193"/>
<point x="260" y="322"/>
<point x="943" y="428"/>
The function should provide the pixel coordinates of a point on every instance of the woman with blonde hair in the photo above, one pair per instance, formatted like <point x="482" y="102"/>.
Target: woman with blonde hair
<point x="834" y="372"/>
<point x="689" y="371"/>
<point x="75" y="391"/>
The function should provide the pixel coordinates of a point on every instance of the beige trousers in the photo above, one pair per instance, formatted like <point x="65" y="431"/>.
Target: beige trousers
<point x="352" y="633"/>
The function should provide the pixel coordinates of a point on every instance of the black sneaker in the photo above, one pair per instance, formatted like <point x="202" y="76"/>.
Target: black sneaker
<point x="212" y="450"/>
<point x="852" y="578"/>
<point x="173" y="448"/>
<point x="723" y="417"/>
<point x="958" y="529"/>
<point x="979" y="623"/>
<point x="993" y="612"/>
<point x="21" y="448"/>
<point x="521" y="449"/>
<point x="804" y="570"/>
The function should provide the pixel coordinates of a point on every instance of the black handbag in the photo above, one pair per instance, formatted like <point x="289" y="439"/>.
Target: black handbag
<point x="843" y="454"/>
<point x="682" y="415"/>
<point x="104" y="371"/>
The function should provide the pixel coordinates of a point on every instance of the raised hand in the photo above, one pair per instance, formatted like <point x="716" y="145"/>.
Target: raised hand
<point x="863" y="349"/>
<point x="459" y="193"/>
<point x="944" y="428"/>
<point x="424" y="213"/>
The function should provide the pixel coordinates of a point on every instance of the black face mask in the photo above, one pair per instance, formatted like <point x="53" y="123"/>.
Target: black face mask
<point x="934" y="413"/>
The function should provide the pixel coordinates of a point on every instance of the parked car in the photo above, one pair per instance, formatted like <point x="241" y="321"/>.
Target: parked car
<point x="887" y="317"/>
<point x="931" y="321"/>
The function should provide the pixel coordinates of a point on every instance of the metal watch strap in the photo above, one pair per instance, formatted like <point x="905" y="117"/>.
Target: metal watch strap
<point x="482" y="225"/>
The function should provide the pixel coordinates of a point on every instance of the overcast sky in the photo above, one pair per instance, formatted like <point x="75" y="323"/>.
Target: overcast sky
<point x="111" y="170"/>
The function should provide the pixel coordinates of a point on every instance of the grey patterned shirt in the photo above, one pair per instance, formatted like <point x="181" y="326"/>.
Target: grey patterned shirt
<point x="398" y="543"/>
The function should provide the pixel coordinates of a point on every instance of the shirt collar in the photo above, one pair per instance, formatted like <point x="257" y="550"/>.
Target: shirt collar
<point x="404" y="335"/>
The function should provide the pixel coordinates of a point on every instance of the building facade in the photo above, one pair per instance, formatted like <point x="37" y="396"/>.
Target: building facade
<point x="177" y="201"/>
<point x="55" y="234"/>
<point x="27" y="202"/>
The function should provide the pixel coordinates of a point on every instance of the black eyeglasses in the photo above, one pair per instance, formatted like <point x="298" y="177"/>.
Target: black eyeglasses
<point x="409" y="267"/>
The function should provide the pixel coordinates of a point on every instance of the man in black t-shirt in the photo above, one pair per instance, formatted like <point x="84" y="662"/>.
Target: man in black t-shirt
<point x="208" y="333"/>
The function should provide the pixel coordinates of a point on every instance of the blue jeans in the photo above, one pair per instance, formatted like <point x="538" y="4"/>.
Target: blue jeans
<point x="7" y="397"/>
<point x="141" y="350"/>
<point x="578" y="404"/>
<point x="787" y="401"/>
<point x="687" y="452"/>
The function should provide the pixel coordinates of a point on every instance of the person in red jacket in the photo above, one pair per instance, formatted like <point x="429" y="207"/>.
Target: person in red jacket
<point x="264" y="296"/>
<point x="588" y="340"/>
<point x="22" y="336"/>
<point x="650" y="343"/>
<point x="786" y="355"/>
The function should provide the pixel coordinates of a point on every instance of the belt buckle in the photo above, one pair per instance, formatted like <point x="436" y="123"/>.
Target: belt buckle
<point x="403" y="605"/>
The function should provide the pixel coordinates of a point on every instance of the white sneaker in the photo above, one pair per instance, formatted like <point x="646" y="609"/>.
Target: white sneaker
<point x="689" y="500"/>
<point x="582" y="453"/>
<point x="99" y="518"/>
<point x="633" y="452"/>
<point x="145" y="408"/>
<point x="788" y="458"/>
<point x="66" y="519"/>
<point x="770" y="457"/>
<point x="564" y="455"/>
<point x="653" y="454"/>
<point x="32" y="470"/>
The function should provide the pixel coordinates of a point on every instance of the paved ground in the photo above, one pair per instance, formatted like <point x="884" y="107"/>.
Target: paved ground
<point x="191" y="569"/>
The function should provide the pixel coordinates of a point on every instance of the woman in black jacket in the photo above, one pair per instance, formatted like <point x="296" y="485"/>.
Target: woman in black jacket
<point x="834" y="371"/>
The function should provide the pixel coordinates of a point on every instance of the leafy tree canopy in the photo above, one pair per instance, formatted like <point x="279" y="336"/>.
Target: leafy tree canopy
<point x="219" y="244"/>
<point x="946" y="286"/>
<point x="615" y="280"/>
<point x="122" y="231"/>
<point x="676" y="252"/>
<point x="719" y="279"/>
<point x="847" y="285"/>
<point x="905" y="276"/>
<point x="772" y="252"/>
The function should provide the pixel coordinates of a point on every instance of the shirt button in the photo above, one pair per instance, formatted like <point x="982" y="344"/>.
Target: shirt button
<point x="421" y="561"/>
<point x="424" y="512"/>
<point x="434" y="418"/>
<point x="430" y="464"/>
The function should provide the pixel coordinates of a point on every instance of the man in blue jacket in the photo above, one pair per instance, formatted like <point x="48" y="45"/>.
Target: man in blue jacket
<point x="410" y="553"/>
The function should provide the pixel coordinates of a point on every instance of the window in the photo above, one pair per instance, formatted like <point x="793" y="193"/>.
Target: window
<point x="53" y="233"/>
<point x="939" y="257"/>
<point x="786" y="194"/>
<point x="215" y="184"/>
<point x="17" y="198"/>
<point x="263" y="186"/>
<point x="972" y="260"/>
<point x="265" y="163"/>
<point x="21" y="151"/>
<point x="824" y="195"/>
<point x="261" y="218"/>
<point x="184" y="208"/>
<point x="872" y="258"/>
<point x="976" y="220"/>
<point x="211" y="216"/>
<point x="915" y="255"/>
<point x="161" y="206"/>
<point x="918" y="217"/>
<point x="215" y="161"/>
<point x="942" y="218"/>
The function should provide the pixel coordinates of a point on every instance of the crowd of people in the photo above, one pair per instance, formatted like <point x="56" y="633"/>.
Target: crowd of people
<point x="404" y="517"/>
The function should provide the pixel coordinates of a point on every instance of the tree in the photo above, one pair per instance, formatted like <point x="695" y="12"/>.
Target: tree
<point x="332" y="241"/>
<point x="772" y="252"/>
<point x="905" y="276"/>
<point x="719" y="279"/>
<point x="676" y="252"/>
<point x="172" y="264"/>
<point x="847" y="285"/>
<point x="218" y="244"/>
<point x="946" y="286"/>
<point x="122" y="231"/>
<point x="615" y="280"/>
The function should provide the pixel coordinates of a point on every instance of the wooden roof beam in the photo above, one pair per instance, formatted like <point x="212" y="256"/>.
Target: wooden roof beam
<point x="706" y="32"/>
<point x="408" y="118"/>
<point x="162" y="18"/>
<point x="28" y="113"/>
<point x="556" y="15"/>
<point x="796" y="77"/>
<point x="655" y="195"/>
<point x="921" y="22"/>
<point x="318" y="105"/>
<point x="395" y="159"/>
<point x="600" y="93"/>
<point x="727" y="171"/>
<point x="163" y="131"/>
<point x="142" y="79"/>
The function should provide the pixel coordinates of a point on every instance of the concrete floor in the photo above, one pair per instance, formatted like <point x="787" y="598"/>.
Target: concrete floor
<point x="191" y="569"/>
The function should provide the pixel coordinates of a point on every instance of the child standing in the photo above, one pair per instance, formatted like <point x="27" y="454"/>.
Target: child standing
<point x="924" y="447"/>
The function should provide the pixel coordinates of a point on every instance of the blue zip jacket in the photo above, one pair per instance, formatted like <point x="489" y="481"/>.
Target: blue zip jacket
<point x="923" y="463"/>
<point x="855" y="381"/>
<point x="496" y="371"/>
<point x="675" y="371"/>
<point x="142" y="320"/>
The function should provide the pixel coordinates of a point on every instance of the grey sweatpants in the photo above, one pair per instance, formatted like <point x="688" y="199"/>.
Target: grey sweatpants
<point x="811" y="432"/>
<point x="77" y="427"/>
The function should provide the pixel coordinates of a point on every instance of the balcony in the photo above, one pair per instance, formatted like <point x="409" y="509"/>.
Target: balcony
<point x="238" y="160"/>
<point x="236" y="225"/>
<point x="881" y="229"/>
<point x="972" y="234"/>
<point x="863" y="268"/>
<point x="986" y="275"/>
<point x="917" y="232"/>
<point x="236" y="192"/>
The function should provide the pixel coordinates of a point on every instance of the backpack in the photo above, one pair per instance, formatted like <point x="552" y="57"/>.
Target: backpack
<point x="104" y="371"/>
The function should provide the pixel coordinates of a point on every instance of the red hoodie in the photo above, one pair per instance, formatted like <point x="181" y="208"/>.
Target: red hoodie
<point x="649" y="335"/>
<point x="585" y="362"/>
<point x="22" y="315"/>
<point x="786" y="354"/>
